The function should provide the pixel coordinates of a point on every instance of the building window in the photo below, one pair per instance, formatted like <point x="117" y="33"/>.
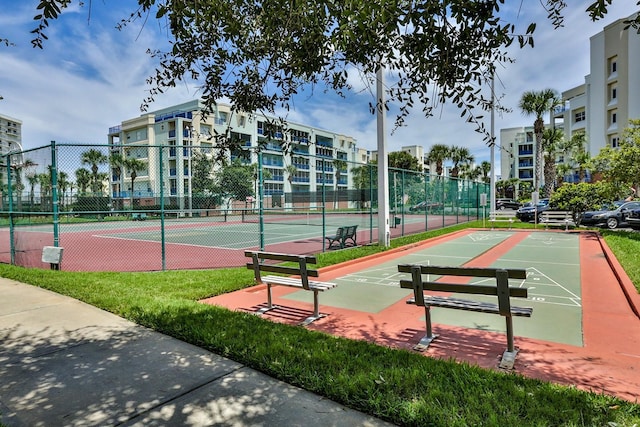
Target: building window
<point x="614" y="118"/>
<point x="579" y="116"/>
<point x="615" y="142"/>
<point x="613" y="65"/>
<point x="529" y="137"/>
<point x="614" y="93"/>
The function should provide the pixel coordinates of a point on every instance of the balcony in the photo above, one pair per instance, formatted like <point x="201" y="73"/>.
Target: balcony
<point x="183" y="114"/>
<point x="172" y="172"/>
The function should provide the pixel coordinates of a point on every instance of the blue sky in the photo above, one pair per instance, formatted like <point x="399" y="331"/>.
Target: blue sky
<point x="90" y="76"/>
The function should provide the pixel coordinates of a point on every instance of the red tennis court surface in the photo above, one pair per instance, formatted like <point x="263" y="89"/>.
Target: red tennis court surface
<point x="608" y="362"/>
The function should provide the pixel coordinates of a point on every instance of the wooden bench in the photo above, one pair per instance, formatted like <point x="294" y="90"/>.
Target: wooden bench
<point x="302" y="281"/>
<point x="345" y="236"/>
<point x="500" y="288"/>
<point x="557" y="219"/>
<point x="502" y="216"/>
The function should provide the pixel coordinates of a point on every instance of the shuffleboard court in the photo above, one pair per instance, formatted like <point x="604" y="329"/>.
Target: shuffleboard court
<point x="584" y="331"/>
<point x="553" y="280"/>
<point x="375" y="289"/>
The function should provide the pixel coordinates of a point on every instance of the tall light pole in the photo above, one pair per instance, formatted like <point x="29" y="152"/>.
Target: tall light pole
<point x="492" y="178"/>
<point x="384" y="234"/>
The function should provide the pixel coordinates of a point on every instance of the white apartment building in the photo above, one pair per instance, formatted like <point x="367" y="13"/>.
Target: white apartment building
<point x="601" y="107"/>
<point x="10" y="134"/>
<point x="10" y="141"/>
<point x="517" y="153"/>
<point x="183" y="128"/>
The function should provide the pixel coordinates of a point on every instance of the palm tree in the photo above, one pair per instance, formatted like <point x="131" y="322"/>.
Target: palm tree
<point x="134" y="166"/>
<point x="94" y="158"/>
<point x="561" y="171"/>
<point x="63" y="185"/>
<point x="438" y="154"/>
<point x="291" y="171"/>
<point x="459" y="156"/>
<point x="538" y="103"/>
<point x="339" y="165"/>
<point x="45" y="187"/>
<point x="17" y="169"/>
<point x="33" y="180"/>
<point x="575" y="148"/>
<point x="83" y="178"/>
<point x="116" y="160"/>
<point x="485" y="171"/>
<point x="552" y="147"/>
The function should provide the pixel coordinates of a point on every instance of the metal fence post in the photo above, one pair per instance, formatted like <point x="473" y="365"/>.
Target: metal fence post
<point x="260" y="200"/>
<point x="54" y="194"/>
<point x="162" y="230"/>
<point x="370" y="204"/>
<point x="324" y="231"/>
<point x="10" y="203"/>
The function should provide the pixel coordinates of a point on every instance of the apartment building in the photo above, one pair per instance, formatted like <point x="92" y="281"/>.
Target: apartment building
<point x="305" y="168"/>
<point x="614" y="85"/>
<point x="601" y="107"/>
<point x="517" y="153"/>
<point x="10" y="141"/>
<point x="10" y="134"/>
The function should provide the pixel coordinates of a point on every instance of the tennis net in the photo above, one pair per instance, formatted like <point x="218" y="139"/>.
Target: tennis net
<point x="310" y="217"/>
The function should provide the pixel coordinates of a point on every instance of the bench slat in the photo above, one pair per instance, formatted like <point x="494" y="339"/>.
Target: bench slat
<point x="281" y="257"/>
<point x="295" y="283"/>
<point x="468" y="305"/>
<point x="464" y="288"/>
<point x="464" y="271"/>
<point x="290" y="271"/>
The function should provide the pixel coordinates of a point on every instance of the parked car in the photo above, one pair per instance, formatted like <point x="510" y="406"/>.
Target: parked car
<point x="611" y="217"/>
<point x="633" y="219"/>
<point x="502" y="204"/>
<point x="528" y="212"/>
<point x="422" y="206"/>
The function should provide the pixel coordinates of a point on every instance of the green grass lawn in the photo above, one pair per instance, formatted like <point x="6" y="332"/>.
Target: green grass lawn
<point x="396" y="385"/>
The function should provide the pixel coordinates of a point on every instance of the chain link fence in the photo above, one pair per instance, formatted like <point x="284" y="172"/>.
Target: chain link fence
<point x="146" y="208"/>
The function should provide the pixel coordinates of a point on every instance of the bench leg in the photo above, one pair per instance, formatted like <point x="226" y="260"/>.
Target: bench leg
<point x="316" y="311"/>
<point x="270" y="305"/>
<point x="509" y="356"/>
<point x="427" y="339"/>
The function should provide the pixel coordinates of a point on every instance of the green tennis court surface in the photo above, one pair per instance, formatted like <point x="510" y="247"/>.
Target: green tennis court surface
<point x="552" y="262"/>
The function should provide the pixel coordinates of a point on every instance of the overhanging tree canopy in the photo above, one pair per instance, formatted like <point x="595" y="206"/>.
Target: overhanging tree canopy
<point x="258" y="54"/>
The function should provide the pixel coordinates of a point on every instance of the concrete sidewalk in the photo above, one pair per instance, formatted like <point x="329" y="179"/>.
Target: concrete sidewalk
<point x="63" y="362"/>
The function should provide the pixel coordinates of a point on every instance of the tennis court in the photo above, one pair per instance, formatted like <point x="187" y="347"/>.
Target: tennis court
<point x="193" y="242"/>
<point x="583" y="331"/>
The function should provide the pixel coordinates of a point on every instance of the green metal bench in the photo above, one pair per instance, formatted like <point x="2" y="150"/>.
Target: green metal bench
<point x="344" y="236"/>
<point x="500" y="288"/>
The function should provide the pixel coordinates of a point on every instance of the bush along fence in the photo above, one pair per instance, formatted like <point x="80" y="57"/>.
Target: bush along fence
<point x="146" y="208"/>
